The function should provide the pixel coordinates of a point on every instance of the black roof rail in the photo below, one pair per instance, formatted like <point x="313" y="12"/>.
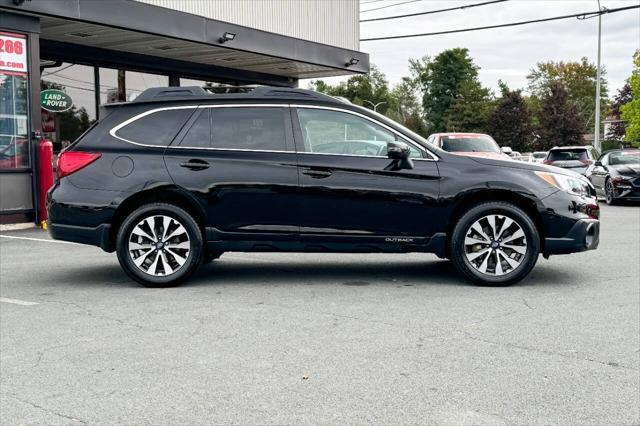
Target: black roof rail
<point x="161" y="93"/>
<point x="196" y="92"/>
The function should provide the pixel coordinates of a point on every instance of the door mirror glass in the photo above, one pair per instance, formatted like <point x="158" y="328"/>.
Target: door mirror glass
<point x="400" y="154"/>
<point x="397" y="151"/>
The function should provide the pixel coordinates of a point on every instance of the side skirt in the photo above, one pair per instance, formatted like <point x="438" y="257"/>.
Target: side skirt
<point x="326" y="243"/>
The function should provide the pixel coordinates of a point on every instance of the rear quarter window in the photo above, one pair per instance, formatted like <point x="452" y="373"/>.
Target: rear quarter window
<point x="158" y="128"/>
<point x="568" y="155"/>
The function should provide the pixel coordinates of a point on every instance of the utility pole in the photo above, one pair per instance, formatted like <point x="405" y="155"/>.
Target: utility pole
<point x="122" y="87"/>
<point x="597" y="143"/>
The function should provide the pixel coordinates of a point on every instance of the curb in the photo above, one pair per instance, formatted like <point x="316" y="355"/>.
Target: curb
<point x="16" y="226"/>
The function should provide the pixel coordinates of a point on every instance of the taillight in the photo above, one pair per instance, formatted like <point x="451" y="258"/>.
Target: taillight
<point x="593" y="210"/>
<point x="547" y="161"/>
<point x="586" y="162"/>
<point x="71" y="161"/>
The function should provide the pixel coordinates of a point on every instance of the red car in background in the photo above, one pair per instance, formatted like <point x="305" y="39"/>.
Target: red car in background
<point x="14" y="154"/>
<point x="470" y="144"/>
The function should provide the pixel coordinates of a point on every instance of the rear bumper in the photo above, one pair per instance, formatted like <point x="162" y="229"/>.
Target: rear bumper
<point x="98" y="236"/>
<point x="583" y="235"/>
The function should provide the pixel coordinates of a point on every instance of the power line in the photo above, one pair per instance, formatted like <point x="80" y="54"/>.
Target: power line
<point x="389" y="5"/>
<point x="75" y="87"/>
<point x="513" y="24"/>
<point x="429" y="12"/>
<point x="57" y="71"/>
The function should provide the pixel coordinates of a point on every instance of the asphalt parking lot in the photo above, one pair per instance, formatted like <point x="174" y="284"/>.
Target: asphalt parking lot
<point x="307" y="338"/>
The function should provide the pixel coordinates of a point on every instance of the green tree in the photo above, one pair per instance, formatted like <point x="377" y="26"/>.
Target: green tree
<point x="560" y="123"/>
<point x="617" y="130"/>
<point x="630" y="111"/>
<point x="441" y="80"/>
<point x="366" y="90"/>
<point x="578" y="78"/>
<point x="470" y="109"/>
<point x="371" y="91"/>
<point x="405" y="108"/>
<point x="510" y="123"/>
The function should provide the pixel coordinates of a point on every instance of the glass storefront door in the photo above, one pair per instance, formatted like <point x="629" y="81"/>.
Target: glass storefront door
<point x="14" y="102"/>
<point x="16" y="164"/>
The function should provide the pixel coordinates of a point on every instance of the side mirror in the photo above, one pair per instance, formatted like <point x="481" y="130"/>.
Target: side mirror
<point x="506" y="150"/>
<point x="399" y="153"/>
<point x="598" y="163"/>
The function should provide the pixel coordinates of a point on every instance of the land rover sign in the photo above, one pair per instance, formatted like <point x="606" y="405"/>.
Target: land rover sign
<point x="55" y="100"/>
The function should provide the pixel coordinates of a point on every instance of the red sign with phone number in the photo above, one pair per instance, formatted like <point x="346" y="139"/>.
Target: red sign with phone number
<point x="13" y="53"/>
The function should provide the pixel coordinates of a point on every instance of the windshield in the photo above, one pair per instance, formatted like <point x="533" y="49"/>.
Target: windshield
<point x="568" y="155"/>
<point x="625" y="157"/>
<point x="469" y="144"/>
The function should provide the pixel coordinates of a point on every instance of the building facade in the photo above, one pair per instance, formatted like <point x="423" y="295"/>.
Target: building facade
<point x="61" y="59"/>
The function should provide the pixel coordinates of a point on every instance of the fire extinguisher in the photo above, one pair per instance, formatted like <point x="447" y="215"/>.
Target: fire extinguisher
<point x="45" y="173"/>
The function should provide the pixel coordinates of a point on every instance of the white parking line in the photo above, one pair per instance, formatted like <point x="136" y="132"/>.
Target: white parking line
<point x="39" y="239"/>
<point x="17" y="302"/>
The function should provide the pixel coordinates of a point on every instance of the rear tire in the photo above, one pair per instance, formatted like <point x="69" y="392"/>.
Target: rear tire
<point x="495" y="244"/>
<point x="159" y="245"/>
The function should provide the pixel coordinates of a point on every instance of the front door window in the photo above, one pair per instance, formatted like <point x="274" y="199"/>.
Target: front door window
<point x="334" y="132"/>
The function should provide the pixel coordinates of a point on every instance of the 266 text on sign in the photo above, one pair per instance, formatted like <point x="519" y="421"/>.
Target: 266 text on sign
<point x="13" y="53"/>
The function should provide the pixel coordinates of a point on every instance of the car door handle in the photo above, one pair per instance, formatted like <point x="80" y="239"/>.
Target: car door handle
<point x="317" y="173"/>
<point x="195" y="164"/>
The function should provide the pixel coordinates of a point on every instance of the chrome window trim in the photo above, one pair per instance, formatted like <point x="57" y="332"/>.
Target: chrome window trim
<point x="115" y="129"/>
<point x="392" y="130"/>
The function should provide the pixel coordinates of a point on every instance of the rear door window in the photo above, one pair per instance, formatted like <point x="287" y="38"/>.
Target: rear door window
<point x="249" y="128"/>
<point x="157" y="128"/>
<point x="199" y="134"/>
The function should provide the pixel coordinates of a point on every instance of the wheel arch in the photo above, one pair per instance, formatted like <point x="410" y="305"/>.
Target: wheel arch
<point x="526" y="203"/>
<point x="163" y="194"/>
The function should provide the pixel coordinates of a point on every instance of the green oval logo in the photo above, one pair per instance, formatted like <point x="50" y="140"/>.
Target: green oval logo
<point x="55" y="100"/>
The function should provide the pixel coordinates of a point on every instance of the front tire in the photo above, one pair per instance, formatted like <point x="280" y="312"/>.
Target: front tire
<point x="495" y="244"/>
<point x="159" y="245"/>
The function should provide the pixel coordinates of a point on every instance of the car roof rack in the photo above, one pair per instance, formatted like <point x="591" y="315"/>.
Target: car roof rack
<point x="224" y="92"/>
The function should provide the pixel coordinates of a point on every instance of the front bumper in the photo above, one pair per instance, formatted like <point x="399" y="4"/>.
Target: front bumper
<point x="626" y="191"/>
<point x="583" y="235"/>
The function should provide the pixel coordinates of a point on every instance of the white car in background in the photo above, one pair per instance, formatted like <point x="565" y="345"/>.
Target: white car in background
<point x="538" y="156"/>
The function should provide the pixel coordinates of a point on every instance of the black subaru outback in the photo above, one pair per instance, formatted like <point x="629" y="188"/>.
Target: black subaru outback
<point x="181" y="175"/>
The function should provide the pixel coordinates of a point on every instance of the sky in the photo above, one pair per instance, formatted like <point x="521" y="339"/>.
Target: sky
<point x="506" y="54"/>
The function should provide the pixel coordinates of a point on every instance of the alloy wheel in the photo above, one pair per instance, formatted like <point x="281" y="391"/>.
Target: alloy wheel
<point x="495" y="245"/>
<point x="159" y="245"/>
<point x="609" y="192"/>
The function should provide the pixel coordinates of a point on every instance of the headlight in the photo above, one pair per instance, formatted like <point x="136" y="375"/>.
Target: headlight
<point x="575" y="186"/>
<point x="621" y="178"/>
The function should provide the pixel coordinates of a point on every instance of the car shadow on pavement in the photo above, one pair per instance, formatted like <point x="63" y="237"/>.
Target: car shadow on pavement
<point x="398" y="272"/>
<point x="419" y="272"/>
